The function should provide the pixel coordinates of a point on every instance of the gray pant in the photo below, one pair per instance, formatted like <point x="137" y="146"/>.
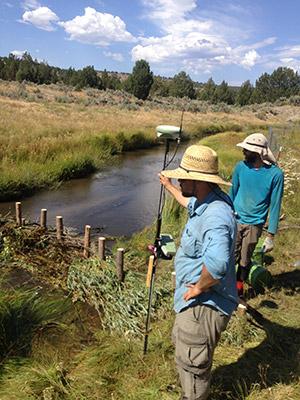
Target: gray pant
<point x="195" y="334"/>
<point x="246" y="240"/>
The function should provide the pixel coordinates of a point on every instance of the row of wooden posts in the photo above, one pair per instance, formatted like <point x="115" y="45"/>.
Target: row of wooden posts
<point x="87" y="238"/>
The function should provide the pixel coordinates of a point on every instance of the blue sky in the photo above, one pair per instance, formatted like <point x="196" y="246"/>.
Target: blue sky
<point x="234" y="40"/>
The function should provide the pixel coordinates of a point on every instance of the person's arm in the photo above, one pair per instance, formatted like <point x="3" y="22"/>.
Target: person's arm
<point x="275" y="204"/>
<point x="216" y="256"/>
<point x="174" y="190"/>
<point x="274" y="212"/>
<point x="235" y="184"/>
<point x="205" y="282"/>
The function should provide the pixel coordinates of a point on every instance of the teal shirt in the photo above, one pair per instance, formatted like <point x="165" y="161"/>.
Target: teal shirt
<point x="208" y="238"/>
<point x="255" y="192"/>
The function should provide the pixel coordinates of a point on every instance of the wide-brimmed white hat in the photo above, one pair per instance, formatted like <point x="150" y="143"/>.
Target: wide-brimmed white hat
<point x="258" y="143"/>
<point x="199" y="163"/>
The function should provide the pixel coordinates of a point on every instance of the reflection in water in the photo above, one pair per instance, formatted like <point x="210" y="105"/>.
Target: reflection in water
<point x="119" y="201"/>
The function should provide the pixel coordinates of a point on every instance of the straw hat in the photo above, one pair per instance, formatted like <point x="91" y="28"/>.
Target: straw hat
<point x="199" y="163"/>
<point x="258" y="143"/>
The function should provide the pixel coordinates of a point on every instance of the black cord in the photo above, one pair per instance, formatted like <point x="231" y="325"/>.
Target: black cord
<point x="175" y="152"/>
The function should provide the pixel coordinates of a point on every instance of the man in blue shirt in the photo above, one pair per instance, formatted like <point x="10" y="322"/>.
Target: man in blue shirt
<point x="205" y="294"/>
<point x="257" y="188"/>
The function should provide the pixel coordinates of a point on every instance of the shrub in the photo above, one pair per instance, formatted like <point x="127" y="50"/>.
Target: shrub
<point x="121" y="307"/>
<point x="22" y="315"/>
<point x="76" y="168"/>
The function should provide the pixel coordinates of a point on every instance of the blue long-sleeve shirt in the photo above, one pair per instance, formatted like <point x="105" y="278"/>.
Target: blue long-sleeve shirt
<point x="208" y="239"/>
<point x="255" y="192"/>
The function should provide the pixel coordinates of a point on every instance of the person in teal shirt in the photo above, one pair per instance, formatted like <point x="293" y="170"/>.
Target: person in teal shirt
<point x="205" y="294"/>
<point x="256" y="192"/>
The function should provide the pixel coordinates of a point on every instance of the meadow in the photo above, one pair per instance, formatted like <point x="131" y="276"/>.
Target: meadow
<point x="52" y="133"/>
<point x="69" y="330"/>
<point x="53" y="348"/>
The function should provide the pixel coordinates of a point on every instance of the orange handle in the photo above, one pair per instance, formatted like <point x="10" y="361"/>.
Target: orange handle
<point x="150" y="270"/>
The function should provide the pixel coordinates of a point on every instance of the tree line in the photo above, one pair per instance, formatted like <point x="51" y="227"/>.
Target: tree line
<point x="24" y="68"/>
<point x="281" y="83"/>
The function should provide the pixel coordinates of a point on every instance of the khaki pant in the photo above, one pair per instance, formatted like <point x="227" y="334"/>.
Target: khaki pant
<point x="246" y="240"/>
<point x="195" y="334"/>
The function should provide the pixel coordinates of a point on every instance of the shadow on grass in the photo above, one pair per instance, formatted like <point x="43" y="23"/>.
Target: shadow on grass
<point x="290" y="281"/>
<point x="274" y="361"/>
<point x="268" y="260"/>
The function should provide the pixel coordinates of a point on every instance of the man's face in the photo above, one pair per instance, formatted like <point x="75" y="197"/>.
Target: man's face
<point x="187" y="187"/>
<point x="250" y="156"/>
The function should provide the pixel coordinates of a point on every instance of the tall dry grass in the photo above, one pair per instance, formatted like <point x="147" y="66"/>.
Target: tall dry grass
<point x="46" y="138"/>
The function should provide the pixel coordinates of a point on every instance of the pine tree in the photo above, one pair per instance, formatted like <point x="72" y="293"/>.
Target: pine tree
<point x="140" y="81"/>
<point x="11" y="66"/>
<point x="87" y="77"/>
<point x="160" y="87"/>
<point x="27" y="69"/>
<point x="223" y="94"/>
<point x="207" y="91"/>
<point x="263" y="89"/>
<point x="244" y="93"/>
<point x="182" y="86"/>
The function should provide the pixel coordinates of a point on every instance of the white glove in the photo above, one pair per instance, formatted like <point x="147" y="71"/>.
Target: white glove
<point x="268" y="245"/>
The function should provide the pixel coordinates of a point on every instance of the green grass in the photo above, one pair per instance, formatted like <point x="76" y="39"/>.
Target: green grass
<point x="44" y="140"/>
<point x="27" y="169"/>
<point x="75" y="358"/>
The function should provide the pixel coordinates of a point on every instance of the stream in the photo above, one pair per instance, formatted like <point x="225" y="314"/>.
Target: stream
<point x="117" y="201"/>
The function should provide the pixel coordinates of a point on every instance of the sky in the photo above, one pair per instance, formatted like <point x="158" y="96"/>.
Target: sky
<point x="231" y="40"/>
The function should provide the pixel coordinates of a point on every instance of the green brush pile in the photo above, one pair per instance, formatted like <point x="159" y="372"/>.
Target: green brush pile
<point x="122" y="307"/>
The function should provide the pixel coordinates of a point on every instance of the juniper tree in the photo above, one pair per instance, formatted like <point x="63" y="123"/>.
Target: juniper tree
<point x="140" y="81"/>
<point x="182" y="86"/>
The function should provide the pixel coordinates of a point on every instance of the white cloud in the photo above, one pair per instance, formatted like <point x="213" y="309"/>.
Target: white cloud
<point x="237" y="8"/>
<point x="257" y="45"/>
<point x="169" y="10"/>
<point x="291" y="51"/>
<point x="18" y="53"/>
<point x="42" y="18"/>
<point x="115" y="56"/>
<point x="195" y="41"/>
<point x="195" y="51"/>
<point x="250" y="59"/>
<point x="291" y="63"/>
<point x="30" y="4"/>
<point x="97" y="28"/>
<point x="7" y="4"/>
<point x="175" y="47"/>
<point x="196" y="47"/>
<point x="287" y="56"/>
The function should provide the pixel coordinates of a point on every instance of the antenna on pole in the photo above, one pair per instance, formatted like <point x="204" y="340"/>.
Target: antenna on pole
<point x="181" y="121"/>
<point x="163" y="246"/>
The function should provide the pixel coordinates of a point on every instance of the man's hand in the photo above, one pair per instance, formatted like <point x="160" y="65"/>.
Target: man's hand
<point x="192" y="292"/>
<point x="173" y="190"/>
<point x="204" y="284"/>
<point x="166" y="182"/>
<point x="268" y="244"/>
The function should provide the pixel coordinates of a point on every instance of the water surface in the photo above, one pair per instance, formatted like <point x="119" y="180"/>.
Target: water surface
<point x="120" y="200"/>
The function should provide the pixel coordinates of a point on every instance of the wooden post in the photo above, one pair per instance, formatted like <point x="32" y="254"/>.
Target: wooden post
<point x="101" y="248"/>
<point x="59" y="227"/>
<point x="120" y="264"/>
<point x="87" y="241"/>
<point x="43" y="219"/>
<point x="173" y="279"/>
<point x="23" y="220"/>
<point x="19" y="213"/>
